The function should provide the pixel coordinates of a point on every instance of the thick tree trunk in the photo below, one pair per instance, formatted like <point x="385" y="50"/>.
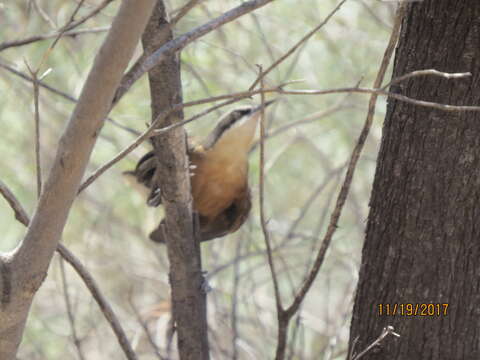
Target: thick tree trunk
<point x="188" y="296"/>
<point x="422" y="243"/>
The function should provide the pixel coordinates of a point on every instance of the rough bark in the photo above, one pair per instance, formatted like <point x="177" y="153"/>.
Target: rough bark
<point x="188" y="297"/>
<point x="23" y="270"/>
<point x="422" y="236"/>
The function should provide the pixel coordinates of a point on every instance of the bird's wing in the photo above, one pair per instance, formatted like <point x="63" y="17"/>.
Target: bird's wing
<point x="144" y="174"/>
<point x="227" y="221"/>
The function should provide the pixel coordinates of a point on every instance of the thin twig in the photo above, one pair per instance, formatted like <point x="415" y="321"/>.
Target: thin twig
<point x="18" y="210"/>
<point x="298" y="44"/>
<point x="62" y="94"/>
<point x="36" y="94"/>
<point x="63" y="32"/>
<point x="43" y="14"/>
<point x="311" y="199"/>
<point x="389" y="330"/>
<point x="69" y="22"/>
<point x="22" y="216"/>
<point x="233" y="97"/>
<point x="234" y="303"/>
<point x="152" y="131"/>
<point x="102" y="302"/>
<point x="184" y="11"/>
<point x="374" y="91"/>
<point x="41" y="83"/>
<point x="201" y="114"/>
<point x="36" y="38"/>
<point x="68" y="305"/>
<point x="136" y="67"/>
<point x="318" y="115"/>
<point x="144" y="326"/>
<point x="424" y="73"/>
<point x="263" y="221"/>
<point x="59" y="35"/>
<point x="339" y="105"/>
<point x="342" y="196"/>
<point x="180" y="42"/>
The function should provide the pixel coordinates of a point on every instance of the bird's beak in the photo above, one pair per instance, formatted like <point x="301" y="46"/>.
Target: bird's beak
<point x="264" y="105"/>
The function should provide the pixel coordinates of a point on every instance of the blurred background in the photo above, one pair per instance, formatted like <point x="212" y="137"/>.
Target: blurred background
<point x="310" y="141"/>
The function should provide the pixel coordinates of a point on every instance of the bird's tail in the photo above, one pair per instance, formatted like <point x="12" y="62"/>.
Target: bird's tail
<point x="143" y="178"/>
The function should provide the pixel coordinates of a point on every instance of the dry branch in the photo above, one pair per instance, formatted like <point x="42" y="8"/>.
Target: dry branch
<point x="342" y="196"/>
<point x="180" y="42"/>
<point x="22" y="216"/>
<point x="65" y="31"/>
<point x="152" y="130"/>
<point x="24" y="270"/>
<point x="299" y="43"/>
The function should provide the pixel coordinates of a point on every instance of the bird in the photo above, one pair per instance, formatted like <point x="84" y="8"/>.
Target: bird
<point x="219" y="175"/>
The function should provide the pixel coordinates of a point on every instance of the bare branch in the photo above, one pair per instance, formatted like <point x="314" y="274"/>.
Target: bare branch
<point x="375" y="91"/>
<point x="188" y="298"/>
<point x="41" y="83"/>
<point x="43" y="14"/>
<point x="263" y="221"/>
<point x="19" y="211"/>
<point x="62" y="94"/>
<point x="183" y="11"/>
<point x="180" y="42"/>
<point x="70" y="314"/>
<point x="152" y="131"/>
<point x="36" y="38"/>
<point x="102" y="302"/>
<point x="389" y="330"/>
<point x="144" y="326"/>
<point x="30" y="260"/>
<point x="80" y="136"/>
<point x="22" y="217"/>
<point x="63" y="32"/>
<point x="298" y="44"/>
<point x="36" y="94"/>
<point x="66" y="26"/>
<point x="342" y="196"/>
<point x="424" y="73"/>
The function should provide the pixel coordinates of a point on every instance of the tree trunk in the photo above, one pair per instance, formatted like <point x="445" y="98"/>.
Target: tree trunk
<point x="188" y="296"/>
<point x="422" y="243"/>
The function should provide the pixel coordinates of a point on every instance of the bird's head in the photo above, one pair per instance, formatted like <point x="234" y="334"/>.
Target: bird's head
<point x="235" y="130"/>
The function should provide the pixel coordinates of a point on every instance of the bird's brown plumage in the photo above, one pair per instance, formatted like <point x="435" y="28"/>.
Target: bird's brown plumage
<point x="219" y="180"/>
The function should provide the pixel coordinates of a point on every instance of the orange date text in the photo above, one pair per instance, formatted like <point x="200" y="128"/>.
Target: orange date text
<point x="412" y="309"/>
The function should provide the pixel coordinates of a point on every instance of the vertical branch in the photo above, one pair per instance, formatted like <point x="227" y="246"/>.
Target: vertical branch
<point x="29" y="262"/>
<point x="345" y="189"/>
<point x="234" y="303"/>
<point x="36" y="94"/>
<point x="188" y="297"/>
<point x="263" y="220"/>
<point x="100" y="299"/>
<point x="38" y="165"/>
<point x="282" y="319"/>
<point x="36" y="117"/>
<point x="22" y="216"/>
<point x="68" y="305"/>
<point x="144" y="326"/>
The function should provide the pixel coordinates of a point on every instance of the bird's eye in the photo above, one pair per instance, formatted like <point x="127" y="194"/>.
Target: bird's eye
<point x="243" y="112"/>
